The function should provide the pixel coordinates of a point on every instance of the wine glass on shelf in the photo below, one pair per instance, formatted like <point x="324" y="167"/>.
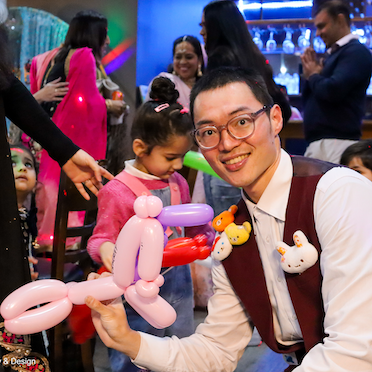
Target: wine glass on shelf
<point x="271" y="43"/>
<point x="303" y="40"/>
<point x="288" y="46"/>
<point x="257" y="38"/>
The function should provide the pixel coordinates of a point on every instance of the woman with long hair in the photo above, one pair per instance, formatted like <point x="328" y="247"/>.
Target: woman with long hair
<point x="229" y="43"/>
<point x="81" y="114"/>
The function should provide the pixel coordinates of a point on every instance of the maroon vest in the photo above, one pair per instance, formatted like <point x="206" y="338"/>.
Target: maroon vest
<point x="244" y="267"/>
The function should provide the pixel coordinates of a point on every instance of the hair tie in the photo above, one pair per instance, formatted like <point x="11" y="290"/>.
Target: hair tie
<point x="161" y="107"/>
<point x="185" y="110"/>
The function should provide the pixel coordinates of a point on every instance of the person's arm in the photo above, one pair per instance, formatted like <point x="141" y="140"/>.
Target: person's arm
<point x="114" y="209"/>
<point x="23" y="110"/>
<point x="53" y="91"/>
<point x="343" y="219"/>
<point x="352" y="68"/>
<point x="217" y="344"/>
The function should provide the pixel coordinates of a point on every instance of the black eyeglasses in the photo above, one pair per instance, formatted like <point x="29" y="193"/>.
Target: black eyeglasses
<point x="239" y="127"/>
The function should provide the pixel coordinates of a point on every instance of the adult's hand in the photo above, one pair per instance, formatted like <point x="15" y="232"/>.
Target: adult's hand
<point x="111" y="324"/>
<point x="82" y="169"/>
<point x="310" y="64"/>
<point x="116" y="107"/>
<point x="53" y="91"/>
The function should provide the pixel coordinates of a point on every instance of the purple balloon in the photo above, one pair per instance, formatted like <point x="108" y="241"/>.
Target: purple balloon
<point x="186" y="215"/>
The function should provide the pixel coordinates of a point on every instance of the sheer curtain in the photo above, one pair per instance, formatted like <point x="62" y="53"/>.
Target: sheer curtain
<point x="32" y="32"/>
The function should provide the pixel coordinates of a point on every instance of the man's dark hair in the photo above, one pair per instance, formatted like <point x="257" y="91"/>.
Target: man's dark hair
<point x="362" y="150"/>
<point x="334" y="8"/>
<point x="222" y="76"/>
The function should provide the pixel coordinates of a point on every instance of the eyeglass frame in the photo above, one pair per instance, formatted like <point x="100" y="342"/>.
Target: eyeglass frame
<point x="253" y="115"/>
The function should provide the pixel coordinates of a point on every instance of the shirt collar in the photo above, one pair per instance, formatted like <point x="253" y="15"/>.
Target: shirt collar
<point x="344" y="40"/>
<point x="275" y="197"/>
<point x="129" y="168"/>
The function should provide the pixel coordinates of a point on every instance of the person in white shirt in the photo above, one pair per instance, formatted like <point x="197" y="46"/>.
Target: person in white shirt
<point x="237" y="129"/>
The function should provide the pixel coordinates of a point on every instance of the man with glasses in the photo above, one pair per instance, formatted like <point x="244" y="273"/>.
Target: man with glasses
<point x="318" y="316"/>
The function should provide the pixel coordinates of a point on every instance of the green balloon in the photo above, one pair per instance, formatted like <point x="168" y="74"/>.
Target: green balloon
<point x="197" y="161"/>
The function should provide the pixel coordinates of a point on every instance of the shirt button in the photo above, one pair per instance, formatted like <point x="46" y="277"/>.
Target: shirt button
<point x="268" y="239"/>
<point x="279" y="279"/>
<point x="294" y="317"/>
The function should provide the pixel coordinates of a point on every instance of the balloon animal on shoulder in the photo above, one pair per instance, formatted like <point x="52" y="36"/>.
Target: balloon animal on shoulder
<point x="137" y="263"/>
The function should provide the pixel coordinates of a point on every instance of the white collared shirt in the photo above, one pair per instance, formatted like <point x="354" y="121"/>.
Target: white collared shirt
<point x="268" y="218"/>
<point x="343" y="41"/>
<point x="343" y="222"/>
<point x="129" y="168"/>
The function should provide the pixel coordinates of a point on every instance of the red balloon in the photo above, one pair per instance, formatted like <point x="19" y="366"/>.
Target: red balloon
<point x="182" y="251"/>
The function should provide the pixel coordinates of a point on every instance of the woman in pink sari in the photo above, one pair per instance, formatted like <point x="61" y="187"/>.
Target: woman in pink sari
<point x="81" y="114"/>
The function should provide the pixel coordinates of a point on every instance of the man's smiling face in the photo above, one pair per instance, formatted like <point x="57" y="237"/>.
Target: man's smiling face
<point x="249" y="163"/>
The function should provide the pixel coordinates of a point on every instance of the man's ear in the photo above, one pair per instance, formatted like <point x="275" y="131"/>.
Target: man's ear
<point x="276" y="119"/>
<point x="139" y="147"/>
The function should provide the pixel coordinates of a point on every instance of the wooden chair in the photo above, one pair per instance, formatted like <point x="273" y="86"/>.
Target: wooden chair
<point x="70" y="200"/>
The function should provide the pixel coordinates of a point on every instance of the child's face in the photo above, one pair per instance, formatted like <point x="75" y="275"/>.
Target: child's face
<point x="23" y="170"/>
<point x="163" y="161"/>
<point x="357" y="164"/>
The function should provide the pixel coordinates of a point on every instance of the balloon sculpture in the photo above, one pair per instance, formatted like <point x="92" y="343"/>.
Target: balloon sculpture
<point x="141" y="243"/>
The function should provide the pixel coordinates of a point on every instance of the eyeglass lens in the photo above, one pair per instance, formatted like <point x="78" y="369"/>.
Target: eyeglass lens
<point x="239" y="127"/>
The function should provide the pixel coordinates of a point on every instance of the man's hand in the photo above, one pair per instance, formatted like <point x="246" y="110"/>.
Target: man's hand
<point x="310" y="64"/>
<point x="53" y="91"/>
<point x="83" y="169"/>
<point x="111" y="324"/>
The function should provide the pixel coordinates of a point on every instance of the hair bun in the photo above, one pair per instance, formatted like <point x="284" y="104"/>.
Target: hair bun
<point x="164" y="90"/>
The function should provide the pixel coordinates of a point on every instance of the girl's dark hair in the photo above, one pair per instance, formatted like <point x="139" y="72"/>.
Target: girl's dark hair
<point x="5" y="59"/>
<point x="196" y="45"/>
<point x="362" y="150"/>
<point x="229" y="43"/>
<point x="155" y="128"/>
<point x="87" y="29"/>
<point x="21" y="146"/>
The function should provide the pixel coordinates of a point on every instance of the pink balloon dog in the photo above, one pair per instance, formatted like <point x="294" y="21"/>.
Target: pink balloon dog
<point x="142" y="238"/>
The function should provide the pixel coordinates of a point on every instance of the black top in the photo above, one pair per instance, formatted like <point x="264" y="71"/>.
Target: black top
<point x="52" y="73"/>
<point x="17" y="103"/>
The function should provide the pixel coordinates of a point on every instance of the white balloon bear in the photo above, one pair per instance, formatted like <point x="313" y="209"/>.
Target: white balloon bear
<point x="298" y="258"/>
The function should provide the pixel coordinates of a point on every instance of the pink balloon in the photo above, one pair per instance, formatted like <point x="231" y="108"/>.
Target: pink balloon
<point x="37" y="320"/>
<point x="126" y="249"/>
<point x="146" y="289"/>
<point x="155" y="310"/>
<point x="186" y="215"/>
<point x="30" y="295"/>
<point x="151" y="251"/>
<point x="101" y="289"/>
<point x="154" y="206"/>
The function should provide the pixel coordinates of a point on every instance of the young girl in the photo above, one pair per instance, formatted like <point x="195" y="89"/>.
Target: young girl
<point x="161" y="138"/>
<point x="25" y="179"/>
<point x="24" y="171"/>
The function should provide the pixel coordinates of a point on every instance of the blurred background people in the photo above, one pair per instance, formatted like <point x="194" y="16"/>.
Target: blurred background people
<point x="335" y="89"/>
<point x="358" y="156"/>
<point x="81" y="114"/>
<point x="187" y="67"/>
